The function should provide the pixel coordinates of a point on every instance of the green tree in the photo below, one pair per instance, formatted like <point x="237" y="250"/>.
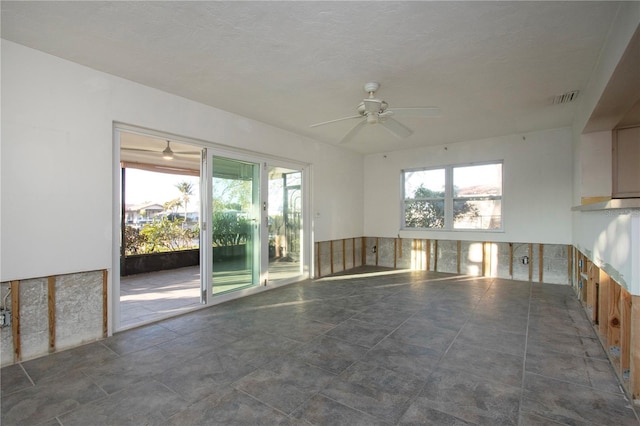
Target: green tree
<point x="231" y="194"/>
<point x="167" y="235"/>
<point x="134" y="241"/>
<point x="186" y="191"/>
<point x="421" y="213"/>
<point x="172" y="205"/>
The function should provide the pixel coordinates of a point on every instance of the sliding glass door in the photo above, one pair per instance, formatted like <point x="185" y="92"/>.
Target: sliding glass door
<point x="284" y="223"/>
<point x="224" y="222"/>
<point x="252" y="228"/>
<point x="235" y="224"/>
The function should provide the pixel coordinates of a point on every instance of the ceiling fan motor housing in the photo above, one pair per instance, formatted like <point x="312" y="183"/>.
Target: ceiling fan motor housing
<point x="363" y="110"/>
<point x="371" y="87"/>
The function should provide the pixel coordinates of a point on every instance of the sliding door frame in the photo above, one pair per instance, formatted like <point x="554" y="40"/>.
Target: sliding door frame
<point x="206" y="197"/>
<point x="208" y="150"/>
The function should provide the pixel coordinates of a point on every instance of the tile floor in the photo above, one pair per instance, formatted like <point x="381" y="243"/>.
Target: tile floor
<point x="366" y="349"/>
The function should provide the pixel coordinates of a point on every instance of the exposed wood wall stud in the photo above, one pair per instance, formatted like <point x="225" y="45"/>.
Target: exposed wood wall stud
<point x="428" y="255"/>
<point x="540" y="261"/>
<point x="625" y="332"/>
<point x="364" y="250"/>
<point x="318" y="259"/>
<point x="15" y="320"/>
<point x="511" y="260"/>
<point x="105" y="303"/>
<point x="592" y="279"/>
<point x="353" y="251"/>
<point x="344" y="254"/>
<point x="435" y="255"/>
<point x="603" y="304"/>
<point x="377" y="249"/>
<point x="487" y="250"/>
<point x="530" y="262"/>
<point x="613" y="338"/>
<point x="395" y="251"/>
<point x="51" y="307"/>
<point x="331" y="254"/>
<point x="585" y="278"/>
<point x="577" y="272"/>
<point x="413" y="254"/>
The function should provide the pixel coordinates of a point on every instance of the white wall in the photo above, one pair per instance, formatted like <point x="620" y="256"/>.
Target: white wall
<point x="536" y="194"/>
<point x="57" y="162"/>
<point x="610" y="238"/>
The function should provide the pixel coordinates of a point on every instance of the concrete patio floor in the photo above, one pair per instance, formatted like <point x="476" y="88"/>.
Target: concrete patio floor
<point x="157" y="295"/>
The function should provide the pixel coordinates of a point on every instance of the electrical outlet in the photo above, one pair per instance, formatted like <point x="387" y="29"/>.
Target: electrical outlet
<point x="525" y="260"/>
<point x="5" y="318"/>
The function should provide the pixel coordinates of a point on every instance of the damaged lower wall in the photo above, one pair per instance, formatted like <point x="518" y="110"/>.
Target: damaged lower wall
<point x="52" y="313"/>
<point x="549" y="263"/>
<point x="615" y="315"/>
<point x="338" y="255"/>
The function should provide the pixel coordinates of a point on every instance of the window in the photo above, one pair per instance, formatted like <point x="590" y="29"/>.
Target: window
<point x="424" y="198"/>
<point x="453" y="197"/>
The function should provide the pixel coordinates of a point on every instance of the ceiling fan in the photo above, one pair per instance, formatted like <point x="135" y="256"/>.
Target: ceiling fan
<point x="376" y="111"/>
<point x="167" y="153"/>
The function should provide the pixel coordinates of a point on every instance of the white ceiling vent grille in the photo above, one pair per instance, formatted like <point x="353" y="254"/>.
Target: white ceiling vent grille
<point x="565" y="98"/>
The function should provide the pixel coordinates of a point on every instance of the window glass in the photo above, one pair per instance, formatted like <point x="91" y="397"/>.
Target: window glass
<point x="477" y="214"/>
<point x="424" y="214"/>
<point x="471" y="200"/>
<point x="424" y="184"/>
<point x="474" y="181"/>
<point x="424" y="194"/>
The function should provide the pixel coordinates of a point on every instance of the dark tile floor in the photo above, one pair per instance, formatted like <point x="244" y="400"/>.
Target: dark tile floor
<point x="394" y="348"/>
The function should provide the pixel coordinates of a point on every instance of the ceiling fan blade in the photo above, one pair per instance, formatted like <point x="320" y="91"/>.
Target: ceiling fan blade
<point x="137" y="149"/>
<point x="355" y="129"/>
<point x="336" y="120"/>
<point x="415" y="112"/>
<point x="396" y="128"/>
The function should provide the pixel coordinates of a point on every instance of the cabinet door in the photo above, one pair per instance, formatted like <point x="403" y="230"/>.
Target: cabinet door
<point x="626" y="163"/>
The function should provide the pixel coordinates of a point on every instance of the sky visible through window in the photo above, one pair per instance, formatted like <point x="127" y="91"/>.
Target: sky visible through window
<point x="145" y="187"/>
<point x="487" y="176"/>
<point x="151" y="187"/>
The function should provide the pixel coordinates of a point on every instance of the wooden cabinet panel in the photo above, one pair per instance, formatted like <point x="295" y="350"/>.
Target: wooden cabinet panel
<point x="626" y="163"/>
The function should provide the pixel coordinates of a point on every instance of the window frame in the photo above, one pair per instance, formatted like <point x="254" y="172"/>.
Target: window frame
<point x="449" y="198"/>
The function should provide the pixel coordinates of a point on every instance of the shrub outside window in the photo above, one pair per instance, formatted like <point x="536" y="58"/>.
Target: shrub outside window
<point x="454" y="197"/>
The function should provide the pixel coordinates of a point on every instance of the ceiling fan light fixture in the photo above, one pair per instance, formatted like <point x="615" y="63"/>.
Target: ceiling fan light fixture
<point x="167" y="154"/>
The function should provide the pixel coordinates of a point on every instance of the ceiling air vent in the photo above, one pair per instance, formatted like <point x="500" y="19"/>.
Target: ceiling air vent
<point x="565" y="98"/>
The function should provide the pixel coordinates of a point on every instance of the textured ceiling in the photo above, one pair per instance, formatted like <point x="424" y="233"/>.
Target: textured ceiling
<point x="492" y="67"/>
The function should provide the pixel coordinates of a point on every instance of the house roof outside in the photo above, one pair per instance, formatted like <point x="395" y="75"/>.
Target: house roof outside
<point x="147" y="207"/>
